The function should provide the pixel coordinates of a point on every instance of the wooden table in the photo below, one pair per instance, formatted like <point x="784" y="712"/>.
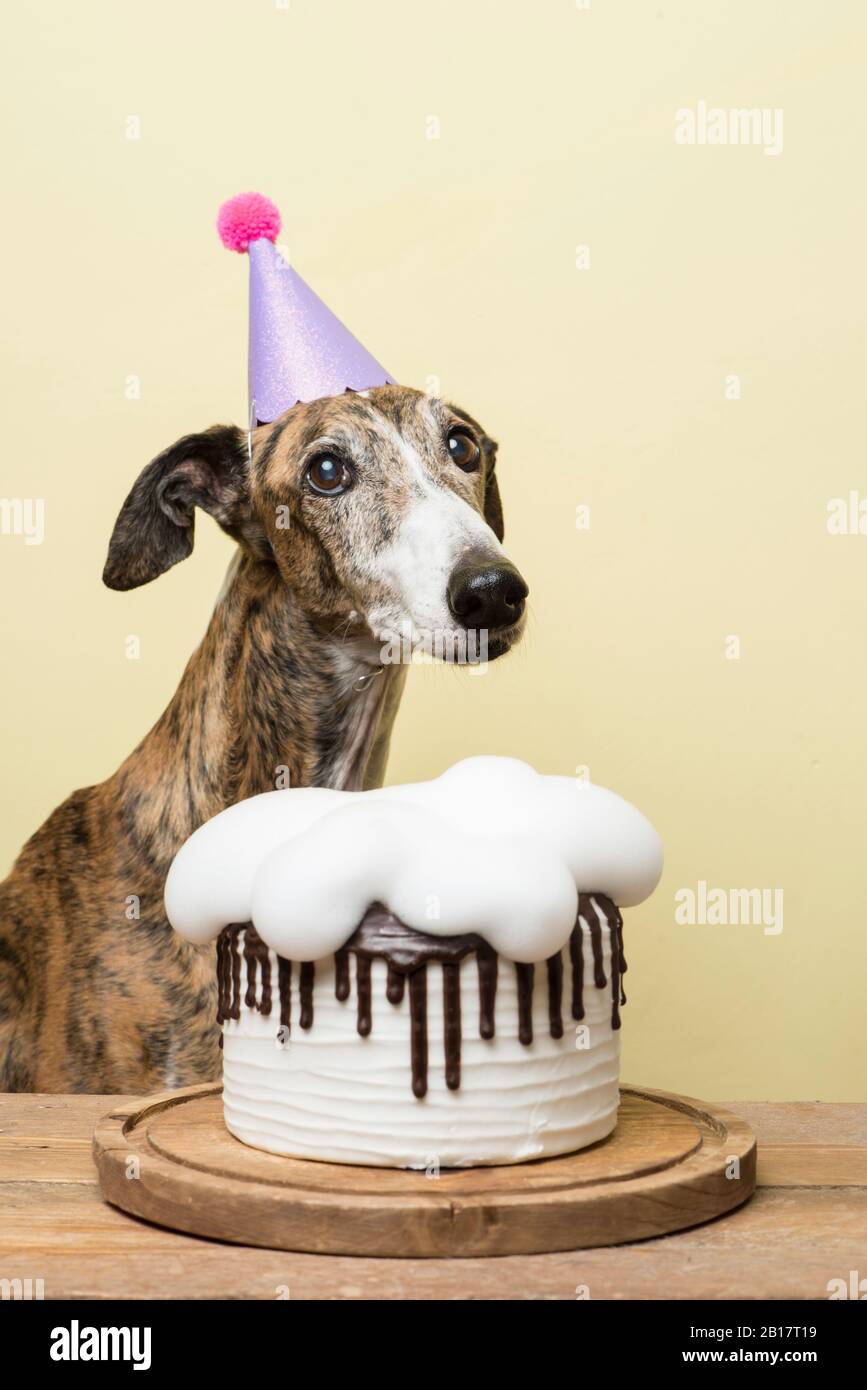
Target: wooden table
<point x="806" y="1224"/>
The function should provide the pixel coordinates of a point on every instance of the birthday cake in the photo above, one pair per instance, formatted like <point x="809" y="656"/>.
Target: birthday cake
<point x="420" y="976"/>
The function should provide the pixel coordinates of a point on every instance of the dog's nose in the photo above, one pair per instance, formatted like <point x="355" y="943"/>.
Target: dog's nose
<point x="487" y="596"/>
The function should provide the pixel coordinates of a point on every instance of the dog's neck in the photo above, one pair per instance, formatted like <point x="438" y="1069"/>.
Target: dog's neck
<point x="270" y="699"/>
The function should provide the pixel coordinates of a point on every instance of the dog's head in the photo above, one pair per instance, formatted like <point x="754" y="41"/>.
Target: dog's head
<point x="383" y="505"/>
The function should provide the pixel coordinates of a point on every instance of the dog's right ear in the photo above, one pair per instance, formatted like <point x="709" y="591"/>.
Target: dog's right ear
<point x="155" y="527"/>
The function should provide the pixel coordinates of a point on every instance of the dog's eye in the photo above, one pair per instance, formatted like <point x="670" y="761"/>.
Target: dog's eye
<point x="328" y="475"/>
<point x="464" y="450"/>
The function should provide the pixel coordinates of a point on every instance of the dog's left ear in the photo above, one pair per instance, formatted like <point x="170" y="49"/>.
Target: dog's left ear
<point x="155" y="527"/>
<point x="493" y="505"/>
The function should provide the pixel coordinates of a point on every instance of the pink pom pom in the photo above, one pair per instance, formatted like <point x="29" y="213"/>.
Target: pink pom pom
<point x="246" y="218"/>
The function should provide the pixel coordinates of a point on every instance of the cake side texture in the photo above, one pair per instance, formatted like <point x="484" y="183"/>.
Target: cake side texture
<point x="423" y="1052"/>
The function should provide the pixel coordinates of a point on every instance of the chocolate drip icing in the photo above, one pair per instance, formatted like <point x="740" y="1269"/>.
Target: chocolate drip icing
<point x="341" y="975"/>
<point x="418" y="1030"/>
<point x="621" y="959"/>
<point x="284" y="985"/>
<point x="305" y="989"/>
<point x="222" y="948"/>
<point x="452" y="1024"/>
<point x="256" y="954"/>
<point x="576" y="956"/>
<point x="235" y="961"/>
<point x="395" y="986"/>
<point x="486" y="959"/>
<point x="618" y="966"/>
<point x="229" y="973"/>
<point x="591" y="916"/>
<point x="526" y="976"/>
<point x="589" y="908"/>
<point x="407" y="954"/>
<point x="615" y="986"/>
<point x="362" y="988"/>
<point x="555" y="995"/>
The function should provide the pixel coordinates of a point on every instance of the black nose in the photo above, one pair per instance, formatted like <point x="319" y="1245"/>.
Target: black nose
<point x="487" y="596"/>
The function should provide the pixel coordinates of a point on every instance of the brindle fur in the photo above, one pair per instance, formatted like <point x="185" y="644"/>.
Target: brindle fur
<point x="96" y="991"/>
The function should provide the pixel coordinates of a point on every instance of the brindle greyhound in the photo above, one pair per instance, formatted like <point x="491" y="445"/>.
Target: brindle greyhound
<point x="359" y="519"/>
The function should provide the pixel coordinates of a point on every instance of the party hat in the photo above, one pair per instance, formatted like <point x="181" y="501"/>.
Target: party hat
<point x="299" y="349"/>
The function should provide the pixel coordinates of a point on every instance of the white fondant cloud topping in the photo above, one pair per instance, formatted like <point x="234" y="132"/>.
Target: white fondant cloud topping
<point x="491" y="847"/>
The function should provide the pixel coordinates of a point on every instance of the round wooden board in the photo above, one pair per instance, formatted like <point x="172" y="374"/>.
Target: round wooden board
<point x="670" y="1163"/>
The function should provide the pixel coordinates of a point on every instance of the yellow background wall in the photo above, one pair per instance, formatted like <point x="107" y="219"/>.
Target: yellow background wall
<point x="455" y="258"/>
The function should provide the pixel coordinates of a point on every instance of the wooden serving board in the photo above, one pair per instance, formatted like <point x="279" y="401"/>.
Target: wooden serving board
<point x="671" y="1163"/>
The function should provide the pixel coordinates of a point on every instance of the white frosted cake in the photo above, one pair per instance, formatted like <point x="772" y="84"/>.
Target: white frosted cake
<point x="420" y="976"/>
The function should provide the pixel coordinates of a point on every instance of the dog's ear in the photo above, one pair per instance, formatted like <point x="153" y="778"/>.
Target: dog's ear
<point x="493" y="505"/>
<point x="155" y="527"/>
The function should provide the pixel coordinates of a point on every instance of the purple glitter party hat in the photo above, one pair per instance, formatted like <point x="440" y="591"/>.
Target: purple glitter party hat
<point x="299" y="350"/>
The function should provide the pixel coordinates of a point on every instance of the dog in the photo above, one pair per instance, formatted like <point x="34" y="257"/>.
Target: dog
<point x="359" y="519"/>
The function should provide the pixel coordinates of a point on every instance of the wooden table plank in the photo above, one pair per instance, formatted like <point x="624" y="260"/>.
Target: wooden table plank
<point x="777" y="1246"/>
<point x="807" y="1143"/>
<point x="806" y="1226"/>
<point x="804" y="1121"/>
<point x="53" y="1117"/>
<point x="811" y="1165"/>
<point x="47" y="1138"/>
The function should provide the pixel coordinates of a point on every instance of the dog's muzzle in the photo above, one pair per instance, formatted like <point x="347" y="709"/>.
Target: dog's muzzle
<point x="487" y="596"/>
